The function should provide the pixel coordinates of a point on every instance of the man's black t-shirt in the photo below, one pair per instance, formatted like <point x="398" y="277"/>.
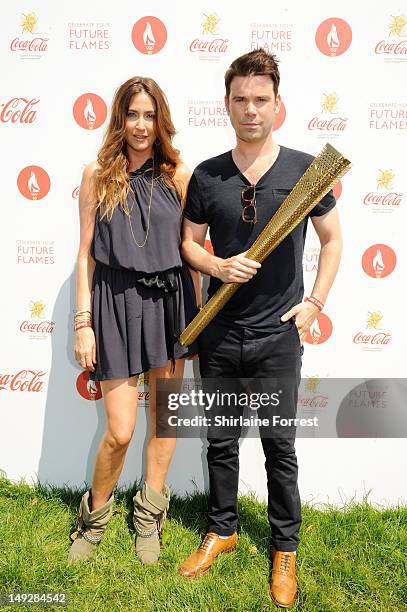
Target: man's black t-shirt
<point x="214" y="197"/>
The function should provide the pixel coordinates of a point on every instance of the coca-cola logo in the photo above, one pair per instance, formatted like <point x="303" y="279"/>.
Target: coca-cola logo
<point x="29" y="381"/>
<point x="393" y="198"/>
<point x="377" y="338"/>
<point x="30" y="44"/>
<point x="37" y="44"/>
<point x="373" y="337"/>
<point x="75" y="193"/>
<point x="211" y="44"/>
<point x="43" y="327"/>
<point x="336" y="124"/>
<point x="393" y="47"/>
<point x="387" y="199"/>
<point x="329" y="120"/>
<point x="316" y="401"/>
<point x="217" y="45"/>
<point x="384" y="47"/>
<point x="19" y="110"/>
<point x="39" y="326"/>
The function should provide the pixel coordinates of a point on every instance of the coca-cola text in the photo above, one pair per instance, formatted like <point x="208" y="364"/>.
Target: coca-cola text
<point x="19" y="110"/>
<point x="217" y="45"/>
<point x="24" y="380"/>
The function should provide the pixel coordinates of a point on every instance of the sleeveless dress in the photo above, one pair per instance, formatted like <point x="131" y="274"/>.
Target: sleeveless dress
<point x="141" y="297"/>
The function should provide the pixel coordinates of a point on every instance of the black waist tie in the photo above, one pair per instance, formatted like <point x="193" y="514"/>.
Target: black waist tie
<point x="167" y="284"/>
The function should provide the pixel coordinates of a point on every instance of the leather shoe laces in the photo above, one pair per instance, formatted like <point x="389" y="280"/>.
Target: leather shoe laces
<point x="285" y="563"/>
<point x="206" y="541"/>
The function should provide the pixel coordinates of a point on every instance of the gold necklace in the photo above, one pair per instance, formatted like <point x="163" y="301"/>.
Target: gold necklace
<point x="148" y="215"/>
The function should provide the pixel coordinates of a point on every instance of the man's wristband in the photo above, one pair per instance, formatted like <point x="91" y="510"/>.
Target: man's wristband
<point x="315" y="301"/>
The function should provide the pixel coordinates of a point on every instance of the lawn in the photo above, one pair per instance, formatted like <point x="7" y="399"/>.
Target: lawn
<point x="354" y="558"/>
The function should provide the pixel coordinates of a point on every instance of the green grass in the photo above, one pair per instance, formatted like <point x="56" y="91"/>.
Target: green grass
<point x="349" y="559"/>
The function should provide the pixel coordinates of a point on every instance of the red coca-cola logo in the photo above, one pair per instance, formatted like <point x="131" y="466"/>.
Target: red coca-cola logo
<point x="378" y="338"/>
<point x="43" y="327"/>
<point x="316" y="401"/>
<point x="24" y="380"/>
<point x="88" y="389"/>
<point x="216" y="45"/>
<point x="19" y="110"/>
<point x="392" y="198"/>
<point x="75" y="193"/>
<point x="336" y="124"/>
<point x="384" y="47"/>
<point x="320" y="329"/>
<point x="38" y="44"/>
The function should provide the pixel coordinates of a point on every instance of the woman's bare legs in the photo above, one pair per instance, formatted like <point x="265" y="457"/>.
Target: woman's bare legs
<point x="160" y="450"/>
<point x="120" y="399"/>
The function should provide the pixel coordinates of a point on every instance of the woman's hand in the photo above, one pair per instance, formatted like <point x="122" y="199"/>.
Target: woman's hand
<point x="85" y="348"/>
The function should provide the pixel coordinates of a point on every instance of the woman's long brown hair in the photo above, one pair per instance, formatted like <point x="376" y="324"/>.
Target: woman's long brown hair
<point x="111" y="180"/>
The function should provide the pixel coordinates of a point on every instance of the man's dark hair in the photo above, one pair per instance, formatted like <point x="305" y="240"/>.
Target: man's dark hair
<point x="254" y="62"/>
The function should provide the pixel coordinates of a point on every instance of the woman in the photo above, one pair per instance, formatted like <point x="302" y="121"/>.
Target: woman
<point x="134" y="295"/>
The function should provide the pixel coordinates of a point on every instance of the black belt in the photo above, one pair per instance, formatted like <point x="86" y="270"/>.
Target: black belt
<point x="167" y="284"/>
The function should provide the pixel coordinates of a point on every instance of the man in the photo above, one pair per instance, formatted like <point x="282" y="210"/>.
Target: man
<point x="260" y="331"/>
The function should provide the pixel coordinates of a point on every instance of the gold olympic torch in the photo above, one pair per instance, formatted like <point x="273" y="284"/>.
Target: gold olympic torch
<point x="322" y="174"/>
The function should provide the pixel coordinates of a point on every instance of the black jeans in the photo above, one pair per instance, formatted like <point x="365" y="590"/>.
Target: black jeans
<point x="233" y="353"/>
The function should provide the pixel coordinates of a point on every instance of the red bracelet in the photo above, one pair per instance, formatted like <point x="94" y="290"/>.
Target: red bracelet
<point x="82" y="324"/>
<point x="315" y="301"/>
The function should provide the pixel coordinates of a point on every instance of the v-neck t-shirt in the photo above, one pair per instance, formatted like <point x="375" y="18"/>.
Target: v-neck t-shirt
<point x="214" y="197"/>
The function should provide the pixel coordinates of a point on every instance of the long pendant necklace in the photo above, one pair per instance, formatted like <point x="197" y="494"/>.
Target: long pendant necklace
<point x="148" y="214"/>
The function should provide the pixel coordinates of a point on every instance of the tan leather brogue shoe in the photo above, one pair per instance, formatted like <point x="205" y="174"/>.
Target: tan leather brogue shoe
<point x="283" y="583"/>
<point x="201" y="560"/>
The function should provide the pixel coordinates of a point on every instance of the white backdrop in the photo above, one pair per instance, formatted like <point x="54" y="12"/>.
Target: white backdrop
<point x="342" y="76"/>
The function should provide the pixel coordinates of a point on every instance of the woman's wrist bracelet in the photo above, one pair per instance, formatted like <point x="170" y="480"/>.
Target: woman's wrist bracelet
<point x="82" y="324"/>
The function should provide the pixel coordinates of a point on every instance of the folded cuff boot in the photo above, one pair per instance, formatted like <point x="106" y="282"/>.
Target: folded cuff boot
<point x="90" y="527"/>
<point x="150" y="512"/>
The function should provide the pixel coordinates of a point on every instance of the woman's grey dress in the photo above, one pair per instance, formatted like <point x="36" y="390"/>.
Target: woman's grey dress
<point x="129" y="318"/>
